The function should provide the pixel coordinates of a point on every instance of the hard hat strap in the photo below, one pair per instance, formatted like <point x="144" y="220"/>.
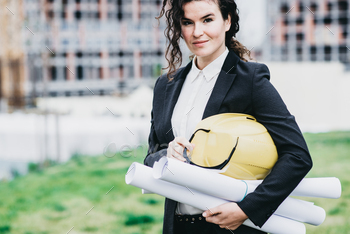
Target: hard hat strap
<point x="200" y="129"/>
<point x="220" y="166"/>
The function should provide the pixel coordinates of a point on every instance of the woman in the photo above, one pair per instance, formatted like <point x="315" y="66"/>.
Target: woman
<point x="219" y="80"/>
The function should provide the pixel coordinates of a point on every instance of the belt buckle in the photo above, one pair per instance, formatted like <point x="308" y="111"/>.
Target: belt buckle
<point x="188" y="218"/>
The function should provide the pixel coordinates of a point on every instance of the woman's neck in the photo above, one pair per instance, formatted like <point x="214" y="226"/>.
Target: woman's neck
<point x="203" y="61"/>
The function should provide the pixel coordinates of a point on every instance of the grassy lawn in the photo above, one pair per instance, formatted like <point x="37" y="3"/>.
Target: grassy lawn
<point x="89" y="195"/>
<point x="331" y="156"/>
<point x="61" y="197"/>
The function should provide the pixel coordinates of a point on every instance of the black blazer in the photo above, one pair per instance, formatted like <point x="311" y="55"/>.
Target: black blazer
<point x="241" y="87"/>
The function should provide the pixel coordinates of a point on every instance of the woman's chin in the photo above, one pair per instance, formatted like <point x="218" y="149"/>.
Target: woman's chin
<point x="201" y="53"/>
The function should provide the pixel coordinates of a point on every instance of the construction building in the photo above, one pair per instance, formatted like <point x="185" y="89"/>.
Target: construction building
<point x="308" y="30"/>
<point x="91" y="47"/>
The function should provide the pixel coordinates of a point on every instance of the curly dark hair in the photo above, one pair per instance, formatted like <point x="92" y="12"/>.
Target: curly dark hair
<point x="174" y="14"/>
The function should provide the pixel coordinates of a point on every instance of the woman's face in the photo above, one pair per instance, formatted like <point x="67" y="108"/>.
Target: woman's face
<point x="203" y="29"/>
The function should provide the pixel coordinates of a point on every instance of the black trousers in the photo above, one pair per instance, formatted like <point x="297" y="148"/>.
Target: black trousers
<point x="204" y="227"/>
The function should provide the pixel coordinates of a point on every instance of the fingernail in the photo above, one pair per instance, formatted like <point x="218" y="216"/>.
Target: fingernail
<point x="204" y="214"/>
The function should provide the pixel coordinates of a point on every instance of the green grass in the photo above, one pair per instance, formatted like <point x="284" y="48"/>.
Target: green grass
<point x="73" y="194"/>
<point x="60" y="197"/>
<point x="331" y="157"/>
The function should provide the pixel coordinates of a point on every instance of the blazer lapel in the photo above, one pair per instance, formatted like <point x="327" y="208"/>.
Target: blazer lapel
<point x="172" y="92"/>
<point x="222" y="85"/>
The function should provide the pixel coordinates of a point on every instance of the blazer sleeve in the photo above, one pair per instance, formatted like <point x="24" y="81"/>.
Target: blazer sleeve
<point x="156" y="150"/>
<point x="294" y="160"/>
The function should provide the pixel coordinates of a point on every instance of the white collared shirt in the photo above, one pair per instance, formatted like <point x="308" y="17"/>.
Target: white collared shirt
<point x="195" y="93"/>
<point x="190" y="106"/>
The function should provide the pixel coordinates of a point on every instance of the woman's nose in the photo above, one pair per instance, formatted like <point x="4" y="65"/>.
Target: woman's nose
<point x="198" y="30"/>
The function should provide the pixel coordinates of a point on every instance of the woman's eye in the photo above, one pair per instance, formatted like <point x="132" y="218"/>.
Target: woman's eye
<point x="207" y="20"/>
<point x="186" y="23"/>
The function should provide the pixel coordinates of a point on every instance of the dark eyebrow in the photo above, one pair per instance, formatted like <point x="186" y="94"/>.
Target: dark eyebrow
<point x="206" y="16"/>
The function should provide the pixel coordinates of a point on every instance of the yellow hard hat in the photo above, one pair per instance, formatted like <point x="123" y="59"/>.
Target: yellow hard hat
<point x="235" y="143"/>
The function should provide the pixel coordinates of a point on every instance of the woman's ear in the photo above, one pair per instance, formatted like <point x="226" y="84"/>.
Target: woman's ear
<point x="228" y="23"/>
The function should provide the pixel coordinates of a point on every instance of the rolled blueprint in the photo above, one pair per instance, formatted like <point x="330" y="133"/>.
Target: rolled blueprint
<point x="323" y="187"/>
<point x="201" y="179"/>
<point x="141" y="176"/>
<point x="227" y="188"/>
<point x="327" y="187"/>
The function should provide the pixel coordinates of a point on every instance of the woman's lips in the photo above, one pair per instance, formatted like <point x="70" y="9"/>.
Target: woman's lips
<point x="200" y="43"/>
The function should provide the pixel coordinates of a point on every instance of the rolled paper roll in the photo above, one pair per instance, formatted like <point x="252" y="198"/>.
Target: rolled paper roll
<point x="323" y="187"/>
<point x="200" y="179"/>
<point x="326" y="187"/>
<point x="301" y="211"/>
<point x="227" y="188"/>
<point x="141" y="176"/>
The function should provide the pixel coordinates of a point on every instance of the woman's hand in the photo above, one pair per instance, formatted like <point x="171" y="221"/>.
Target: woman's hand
<point x="228" y="216"/>
<point x="177" y="146"/>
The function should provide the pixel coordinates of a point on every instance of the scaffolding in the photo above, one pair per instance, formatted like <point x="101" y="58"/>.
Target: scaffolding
<point x="309" y="30"/>
<point x="92" y="47"/>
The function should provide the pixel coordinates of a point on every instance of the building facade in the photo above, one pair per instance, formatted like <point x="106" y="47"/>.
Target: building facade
<point x="91" y="47"/>
<point x="308" y="30"/>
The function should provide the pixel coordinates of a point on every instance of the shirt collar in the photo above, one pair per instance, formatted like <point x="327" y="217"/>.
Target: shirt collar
<point x="194" y="72"/>
<point x="211" y="70"/>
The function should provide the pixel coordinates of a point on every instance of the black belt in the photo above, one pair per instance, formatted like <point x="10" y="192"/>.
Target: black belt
<point x="190" y="218"/>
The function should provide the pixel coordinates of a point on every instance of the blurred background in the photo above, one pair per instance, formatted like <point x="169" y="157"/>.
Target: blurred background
<point x="76" y="79"/>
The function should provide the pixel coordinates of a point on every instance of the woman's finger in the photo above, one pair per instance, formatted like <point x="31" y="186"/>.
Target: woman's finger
<point x="184" y="142"/>
<point x="174" y="150"/>
<point x="177" y="146"/>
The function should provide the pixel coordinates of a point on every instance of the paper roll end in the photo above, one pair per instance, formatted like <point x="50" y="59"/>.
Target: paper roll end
<point x="159" y="167"/>
<point x="338" y="188"/>
<point x="323" y="216"/>
<point x="318" y="217"/>
<point x="130" y="174"/>
<point x="334" y="187"/>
